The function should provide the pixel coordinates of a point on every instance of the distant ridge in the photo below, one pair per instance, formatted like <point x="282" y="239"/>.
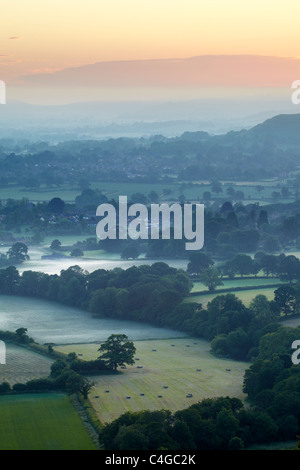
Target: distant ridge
<point x="205" y="70"/>
<point x="281" y="129"/>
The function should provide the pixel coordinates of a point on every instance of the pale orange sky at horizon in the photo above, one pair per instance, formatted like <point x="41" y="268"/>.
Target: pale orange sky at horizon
<point x="44" y="36"/>
<point x="48" y="35"/>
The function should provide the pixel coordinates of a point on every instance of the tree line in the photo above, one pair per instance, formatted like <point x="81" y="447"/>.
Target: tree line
<point x="157" y="295"/>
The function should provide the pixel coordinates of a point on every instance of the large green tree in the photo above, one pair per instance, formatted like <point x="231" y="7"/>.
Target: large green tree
<point x="198" y="262"/>
<point x="117" y="350"/>
<point x="211" y="278"/>
<point x="18" y="253"/>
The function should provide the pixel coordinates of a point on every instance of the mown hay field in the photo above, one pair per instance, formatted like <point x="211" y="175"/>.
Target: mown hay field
<point x="23" y="365"/>
<point x="165" y="372"/>
<point x="246" y="296"/>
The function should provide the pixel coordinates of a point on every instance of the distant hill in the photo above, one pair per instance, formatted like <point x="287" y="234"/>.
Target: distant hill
<point x="281" y="129"/>
<point x="206" y="70"/>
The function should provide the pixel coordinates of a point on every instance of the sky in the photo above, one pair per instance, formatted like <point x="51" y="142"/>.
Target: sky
<point x="45" y="36"/>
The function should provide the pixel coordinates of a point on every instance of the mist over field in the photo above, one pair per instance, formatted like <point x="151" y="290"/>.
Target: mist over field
<point x="215" y="112"/>
<point x="51" y="323"/>
<point x="114" y="339"/>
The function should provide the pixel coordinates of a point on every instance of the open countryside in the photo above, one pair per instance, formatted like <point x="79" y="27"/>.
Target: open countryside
<point x="41" y="422"/>
<point x="165" y="373"/>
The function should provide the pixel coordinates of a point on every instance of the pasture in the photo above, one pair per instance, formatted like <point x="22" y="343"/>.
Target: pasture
<point x="167" y="370"/>
<point x="50" y="322"/>
<point x="23" y="365"/>
<point x="88" y="263"/>
<point x="238" y="282"/>
<point x="246" y="296"/>
<point x="41" y="422"/>
<point x="291" y="322"/>
<point x="193" y="191"/>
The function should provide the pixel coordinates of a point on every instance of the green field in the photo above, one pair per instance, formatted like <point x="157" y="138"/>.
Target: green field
<point x="291" y="322"/>
<point x="246" y="296"/>
<point x="193" y="192"/>
<point x="172" y="366"/>
<point x="66" y="192"/>
<point x="238" y="282"/>
<point x="41" y="422"/>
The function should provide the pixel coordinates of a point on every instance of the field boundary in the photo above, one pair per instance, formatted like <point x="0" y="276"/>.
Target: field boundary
<point x="88" y="417"/>
<point x="234" y="289"/>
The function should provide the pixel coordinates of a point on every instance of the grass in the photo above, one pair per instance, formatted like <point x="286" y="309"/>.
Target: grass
<point x="285" y="445"/>
<point x="172" y="366"/>
<point x="50" y="322"/>
<point x="112" y="190"/>
<point x="66" y="240"/>
<point x="66" y="192"/>
<point x="239" y="282"/>
<point x="246" y="296"/>
<point x="41" y="422"/>
<point x="291" y="322"/>
<point x="23" y="365"/>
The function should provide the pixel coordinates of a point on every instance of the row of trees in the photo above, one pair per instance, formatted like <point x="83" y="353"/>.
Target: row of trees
<point x="17" y="254"/>
<point x="145" y="292"/>
<point x="155" y="294"/>
<point x="287" y="268"/>
<point x="213" y="424"/>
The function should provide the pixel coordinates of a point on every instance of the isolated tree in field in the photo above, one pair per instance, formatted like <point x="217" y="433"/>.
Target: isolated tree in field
<point x="117" y="350"/>
<point x="18" y="253"/>
<point x="198" y="262"/>
<point x="55" y="245"/>
<point x="211" y="278"/>
<point x="77" y="253"/>
<point x="56" y="205"/>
